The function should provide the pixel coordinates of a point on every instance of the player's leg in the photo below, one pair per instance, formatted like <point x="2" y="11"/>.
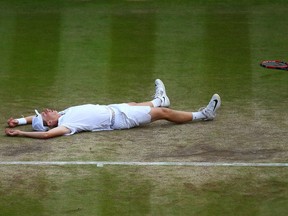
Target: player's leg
<point x="160" y="98"/>
<point x="207" y="113"/>
<point x="162" y="113"/>
<point x="148" y="103"/>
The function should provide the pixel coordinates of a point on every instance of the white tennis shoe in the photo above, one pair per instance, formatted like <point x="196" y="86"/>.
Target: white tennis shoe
<point x="210" y="110"/>
<point x="160" y="92"/>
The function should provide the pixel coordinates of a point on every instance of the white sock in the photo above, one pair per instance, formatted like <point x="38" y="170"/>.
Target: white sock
<point x="156" y="102"/>
<point x="197" y="116"/>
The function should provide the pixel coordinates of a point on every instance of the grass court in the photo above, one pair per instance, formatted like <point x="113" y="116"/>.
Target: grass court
<point x="60" y="53"/>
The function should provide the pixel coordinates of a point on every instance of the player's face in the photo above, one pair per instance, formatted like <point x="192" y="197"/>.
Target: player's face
<point x="50" y="117"/>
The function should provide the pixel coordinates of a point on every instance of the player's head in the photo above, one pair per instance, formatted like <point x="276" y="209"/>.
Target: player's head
<point x="45" y="120"/>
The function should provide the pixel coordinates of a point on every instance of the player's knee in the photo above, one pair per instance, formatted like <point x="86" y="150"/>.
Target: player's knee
<point x="160" y="113"/>
<point x="165" y="112"/>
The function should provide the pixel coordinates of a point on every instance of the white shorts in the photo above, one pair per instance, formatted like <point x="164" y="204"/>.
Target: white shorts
<point x="127" y="116"/>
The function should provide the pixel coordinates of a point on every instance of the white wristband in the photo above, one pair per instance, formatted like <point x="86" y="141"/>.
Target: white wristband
<point x="21" y="121"/>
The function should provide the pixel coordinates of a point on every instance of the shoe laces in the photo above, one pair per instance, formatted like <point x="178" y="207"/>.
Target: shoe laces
<point x="158" y="93"/>
<point x="207" y="112"/>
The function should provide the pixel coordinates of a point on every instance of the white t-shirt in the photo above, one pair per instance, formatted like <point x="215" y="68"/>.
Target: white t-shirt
<point x="88" y="117"/>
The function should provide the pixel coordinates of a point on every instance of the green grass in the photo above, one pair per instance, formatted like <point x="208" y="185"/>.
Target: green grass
<point x="112" y="190"/>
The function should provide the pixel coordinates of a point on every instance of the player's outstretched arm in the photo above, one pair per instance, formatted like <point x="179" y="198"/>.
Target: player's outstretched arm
<point x="20" y="121"/>
<point x="58" y="131"/>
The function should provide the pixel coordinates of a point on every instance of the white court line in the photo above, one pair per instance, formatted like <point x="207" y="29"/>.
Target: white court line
<point x="135" y="163"/>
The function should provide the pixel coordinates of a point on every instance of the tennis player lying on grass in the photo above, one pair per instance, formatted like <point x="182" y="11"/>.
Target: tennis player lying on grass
<point x="90" y="117"/>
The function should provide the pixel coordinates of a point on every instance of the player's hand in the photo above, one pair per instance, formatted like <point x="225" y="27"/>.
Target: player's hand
<point x="12" y="132"/>
<point x="12" y="122"/>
